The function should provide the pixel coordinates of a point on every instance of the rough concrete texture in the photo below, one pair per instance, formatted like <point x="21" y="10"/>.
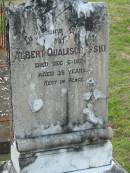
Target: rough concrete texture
<point x="64" y="159"/>
<point x="7" y="167"/>
<point x="59" y="62"/>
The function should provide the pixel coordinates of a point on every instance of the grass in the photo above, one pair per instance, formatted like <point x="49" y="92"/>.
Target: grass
<point x="119" y="79"/>
<point x="4" y="157"/>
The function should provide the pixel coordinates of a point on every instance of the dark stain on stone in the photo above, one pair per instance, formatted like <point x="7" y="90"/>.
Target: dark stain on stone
<point x="43" y="19"/>
<point x="7" y="43"/>
<point x="67" y="129"/>
<point x="82" y="21"/>
<point x="53" y="16"/>
<point x="42" y="9"/>
<point x="17" y="24"/>
<point x="27" y="160"/>
<point x="77" y="148"/>
<point x="86" y="42"/>
<point x="47" y="4"/>
<point x="89" y="25"/>
<point x="2" y="167"/>
<point x="77" y="39"/>
<point x="65" y="126"/>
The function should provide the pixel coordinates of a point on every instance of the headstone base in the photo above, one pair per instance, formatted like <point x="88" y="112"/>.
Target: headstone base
<point x="95" y="158"/>
<point x="7" y="167"/>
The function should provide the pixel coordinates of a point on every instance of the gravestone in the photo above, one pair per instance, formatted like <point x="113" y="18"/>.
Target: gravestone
<point x="59" y="69"/>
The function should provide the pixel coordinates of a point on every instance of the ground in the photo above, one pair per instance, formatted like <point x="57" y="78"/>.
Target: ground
<point x="119" y="79"/>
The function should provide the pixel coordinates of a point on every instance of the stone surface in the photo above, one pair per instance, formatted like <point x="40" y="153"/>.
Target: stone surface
<point x="69" y="159"/>
<point x="59" y="62"/>
<point x="53" y="141"/>
<point x="7" y="167"/>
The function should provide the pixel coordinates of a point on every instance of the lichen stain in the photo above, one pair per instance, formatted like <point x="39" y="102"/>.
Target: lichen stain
<point x="98" y="94"/>
<point x="91" y="98"/>
<point x="81" y="14"/>
<point x="83" y="9"/>
<point x="17" y="24"/>
<point x="87" y="96"/>
<point x="87" y="17"/>
<point x="36" y="105"/>
<point x="47" y="4"/>
<point x="90" y="115"/>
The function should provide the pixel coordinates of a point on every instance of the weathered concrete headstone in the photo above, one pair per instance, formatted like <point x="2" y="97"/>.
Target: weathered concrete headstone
<point x="59" y="60"/>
